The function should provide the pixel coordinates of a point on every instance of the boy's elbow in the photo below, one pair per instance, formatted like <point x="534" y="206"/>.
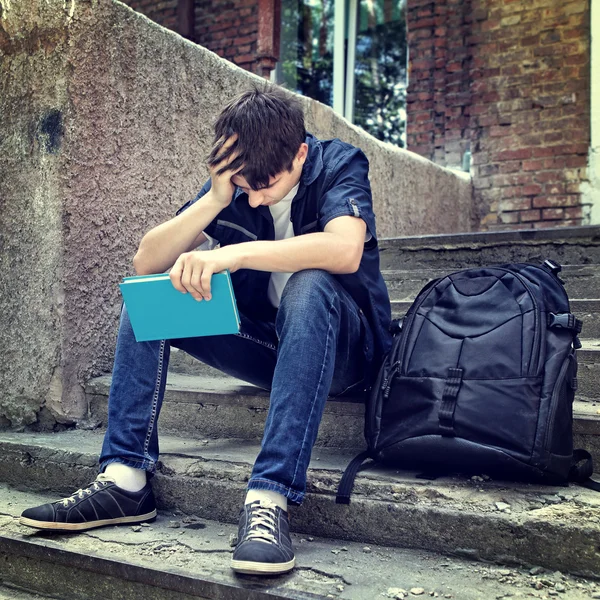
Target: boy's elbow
<point x="139" y="266"/>
<point x="353" y="267"/>
<point x="352" y="263"/>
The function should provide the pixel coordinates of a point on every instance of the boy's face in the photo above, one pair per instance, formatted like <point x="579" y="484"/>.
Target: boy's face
<point x="279" y="186"/>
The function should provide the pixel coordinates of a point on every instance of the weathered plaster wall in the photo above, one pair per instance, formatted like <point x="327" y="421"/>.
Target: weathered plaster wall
<point x="33" y="99"/>
<point x="137" y="104"/>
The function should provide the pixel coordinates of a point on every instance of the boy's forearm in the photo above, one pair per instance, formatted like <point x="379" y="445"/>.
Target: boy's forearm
<point x="162" y="245"/>
<point x="327" y="251"/>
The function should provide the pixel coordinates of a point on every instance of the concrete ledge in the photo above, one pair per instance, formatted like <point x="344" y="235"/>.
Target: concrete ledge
<point x="587" y="310"/>
<point x="584" y="234"/>
<point x="581" y="281"/>
<point x="556" y="528"/>
<point x="215" y="408"/>
<point x="179" y="557"/>
<point x="578" y="246"/>
<point x="228" y="408"/>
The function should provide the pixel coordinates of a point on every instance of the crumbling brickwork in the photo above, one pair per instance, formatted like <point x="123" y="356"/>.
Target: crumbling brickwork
<point x="227" y="27"/>
<point x="164" y="12"/>
<point x="508" y="81"/>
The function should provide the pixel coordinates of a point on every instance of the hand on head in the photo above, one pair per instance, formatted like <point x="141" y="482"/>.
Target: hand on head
<point x="223" y="163"/>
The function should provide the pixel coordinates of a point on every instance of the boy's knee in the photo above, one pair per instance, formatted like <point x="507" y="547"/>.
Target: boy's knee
<point x="308" y="286"/>
<point x="307" y="292"/>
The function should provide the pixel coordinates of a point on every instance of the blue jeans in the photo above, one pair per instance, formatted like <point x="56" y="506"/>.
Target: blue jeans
<point x="318" y="344"/>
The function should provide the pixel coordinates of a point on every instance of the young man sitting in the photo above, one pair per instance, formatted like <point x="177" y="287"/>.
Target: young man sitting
<point x="291" y="217"/>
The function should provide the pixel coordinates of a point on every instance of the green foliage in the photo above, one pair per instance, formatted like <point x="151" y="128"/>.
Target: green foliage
<point x="306" y="64"/>
<point x="380" y="100"/>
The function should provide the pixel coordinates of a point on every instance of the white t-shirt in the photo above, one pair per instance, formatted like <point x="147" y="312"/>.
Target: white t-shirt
<point x="284" y="229"/>
<point x="282" y="221"/>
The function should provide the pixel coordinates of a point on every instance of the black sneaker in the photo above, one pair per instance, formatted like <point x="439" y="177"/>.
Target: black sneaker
<point x="100" y="503"/>
<point x="264" y="544"/>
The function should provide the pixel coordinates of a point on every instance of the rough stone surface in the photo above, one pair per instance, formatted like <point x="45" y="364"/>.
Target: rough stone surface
<point x="552" y="527"/>
<point x="586" y="310"/>
<point x="106" y="121"/>
<point x="326" y="568"/>
<point x="567" y="246"/>
<point x="581" y="281"/>
<point x="33" y="102"/>
<point x="211" y="408"/>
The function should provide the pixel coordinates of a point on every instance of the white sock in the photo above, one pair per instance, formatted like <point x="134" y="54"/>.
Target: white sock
<point x="274" y="497"/>
<point x="127" y="478"/>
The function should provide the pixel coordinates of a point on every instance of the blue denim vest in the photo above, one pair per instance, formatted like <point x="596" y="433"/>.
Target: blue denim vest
<point x="334" y="183"/>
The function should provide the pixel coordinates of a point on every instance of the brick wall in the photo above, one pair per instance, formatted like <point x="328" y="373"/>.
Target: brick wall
<point x="230" y="29"/>
<point x="227" y="27"/>
<point x="509" y="81"/>
<point x="164" y="12"/>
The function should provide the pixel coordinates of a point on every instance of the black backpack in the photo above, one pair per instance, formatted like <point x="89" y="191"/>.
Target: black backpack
<point x="480" y="378"/>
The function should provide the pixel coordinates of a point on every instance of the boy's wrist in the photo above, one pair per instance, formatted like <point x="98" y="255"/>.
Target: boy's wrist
<point x="218" y="201"/>
<point x="238" y="255"/>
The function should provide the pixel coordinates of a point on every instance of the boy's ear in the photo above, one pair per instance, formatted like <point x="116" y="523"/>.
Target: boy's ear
<point x="302" y="153"/>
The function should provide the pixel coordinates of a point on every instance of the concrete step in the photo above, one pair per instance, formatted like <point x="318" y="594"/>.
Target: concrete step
<point x="228" y="408"/>
<point x="581" y="281"/>
<point x="553" y="527"/>
<point x="586" y="309"/>
<point x="183" y="556"/>
<point x="15" y="592"/>
<point x="566" y="245"/>
<point x="213" y="408"/>
<point x="183" y="363"/>
<point x="588" y="356"/>
<point x="588" y="375"/>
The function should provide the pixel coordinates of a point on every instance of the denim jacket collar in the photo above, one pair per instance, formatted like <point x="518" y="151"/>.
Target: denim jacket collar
<point x="314" y="161"/>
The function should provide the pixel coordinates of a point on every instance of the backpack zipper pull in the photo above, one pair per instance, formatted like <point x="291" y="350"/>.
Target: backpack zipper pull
<point x="386" y="386"/>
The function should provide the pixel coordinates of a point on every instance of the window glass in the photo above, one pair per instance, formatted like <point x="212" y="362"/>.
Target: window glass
<point x="306" y="59"/>
<point x="380" y="70"/>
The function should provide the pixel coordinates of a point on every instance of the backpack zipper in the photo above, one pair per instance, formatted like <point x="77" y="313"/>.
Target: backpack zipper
<point x="386" y="385"/>
<point x="562" y="374"/>
<point x="537" y="321"/>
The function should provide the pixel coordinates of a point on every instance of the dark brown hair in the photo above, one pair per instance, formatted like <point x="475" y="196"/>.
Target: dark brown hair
<point x="269" y="124"/>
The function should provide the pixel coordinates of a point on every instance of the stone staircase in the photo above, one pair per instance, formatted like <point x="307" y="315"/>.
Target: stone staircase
<point x="211" y="426"/>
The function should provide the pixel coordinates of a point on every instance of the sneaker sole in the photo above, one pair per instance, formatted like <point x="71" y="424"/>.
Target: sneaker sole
<point x="88" y="525"/>
<point x="249" y="567"/>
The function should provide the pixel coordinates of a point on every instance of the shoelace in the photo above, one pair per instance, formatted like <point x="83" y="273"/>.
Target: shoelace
<point x="100" y="482"/>
<point x="262" y="522"/>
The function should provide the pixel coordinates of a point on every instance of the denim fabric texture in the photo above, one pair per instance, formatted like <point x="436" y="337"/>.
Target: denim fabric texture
<point x="317" y="344"/>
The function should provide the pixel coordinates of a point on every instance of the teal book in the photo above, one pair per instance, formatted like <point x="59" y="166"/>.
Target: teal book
<point x="158" y="311"/>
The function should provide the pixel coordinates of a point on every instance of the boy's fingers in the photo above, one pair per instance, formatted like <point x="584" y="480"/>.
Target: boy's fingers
<point x="175" y="275"/>
<point x="185" y="280"/>
<point x="195" y="285"/>
<point x="226" y="155"/>
<point x="205" y="281"/>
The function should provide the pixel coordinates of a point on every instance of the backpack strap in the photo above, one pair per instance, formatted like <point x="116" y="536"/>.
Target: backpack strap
<point x="448" y="405"/>
<point x="554" y="268"/>
<point x="581" y="470"/>
<point x="347" y="481"/>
